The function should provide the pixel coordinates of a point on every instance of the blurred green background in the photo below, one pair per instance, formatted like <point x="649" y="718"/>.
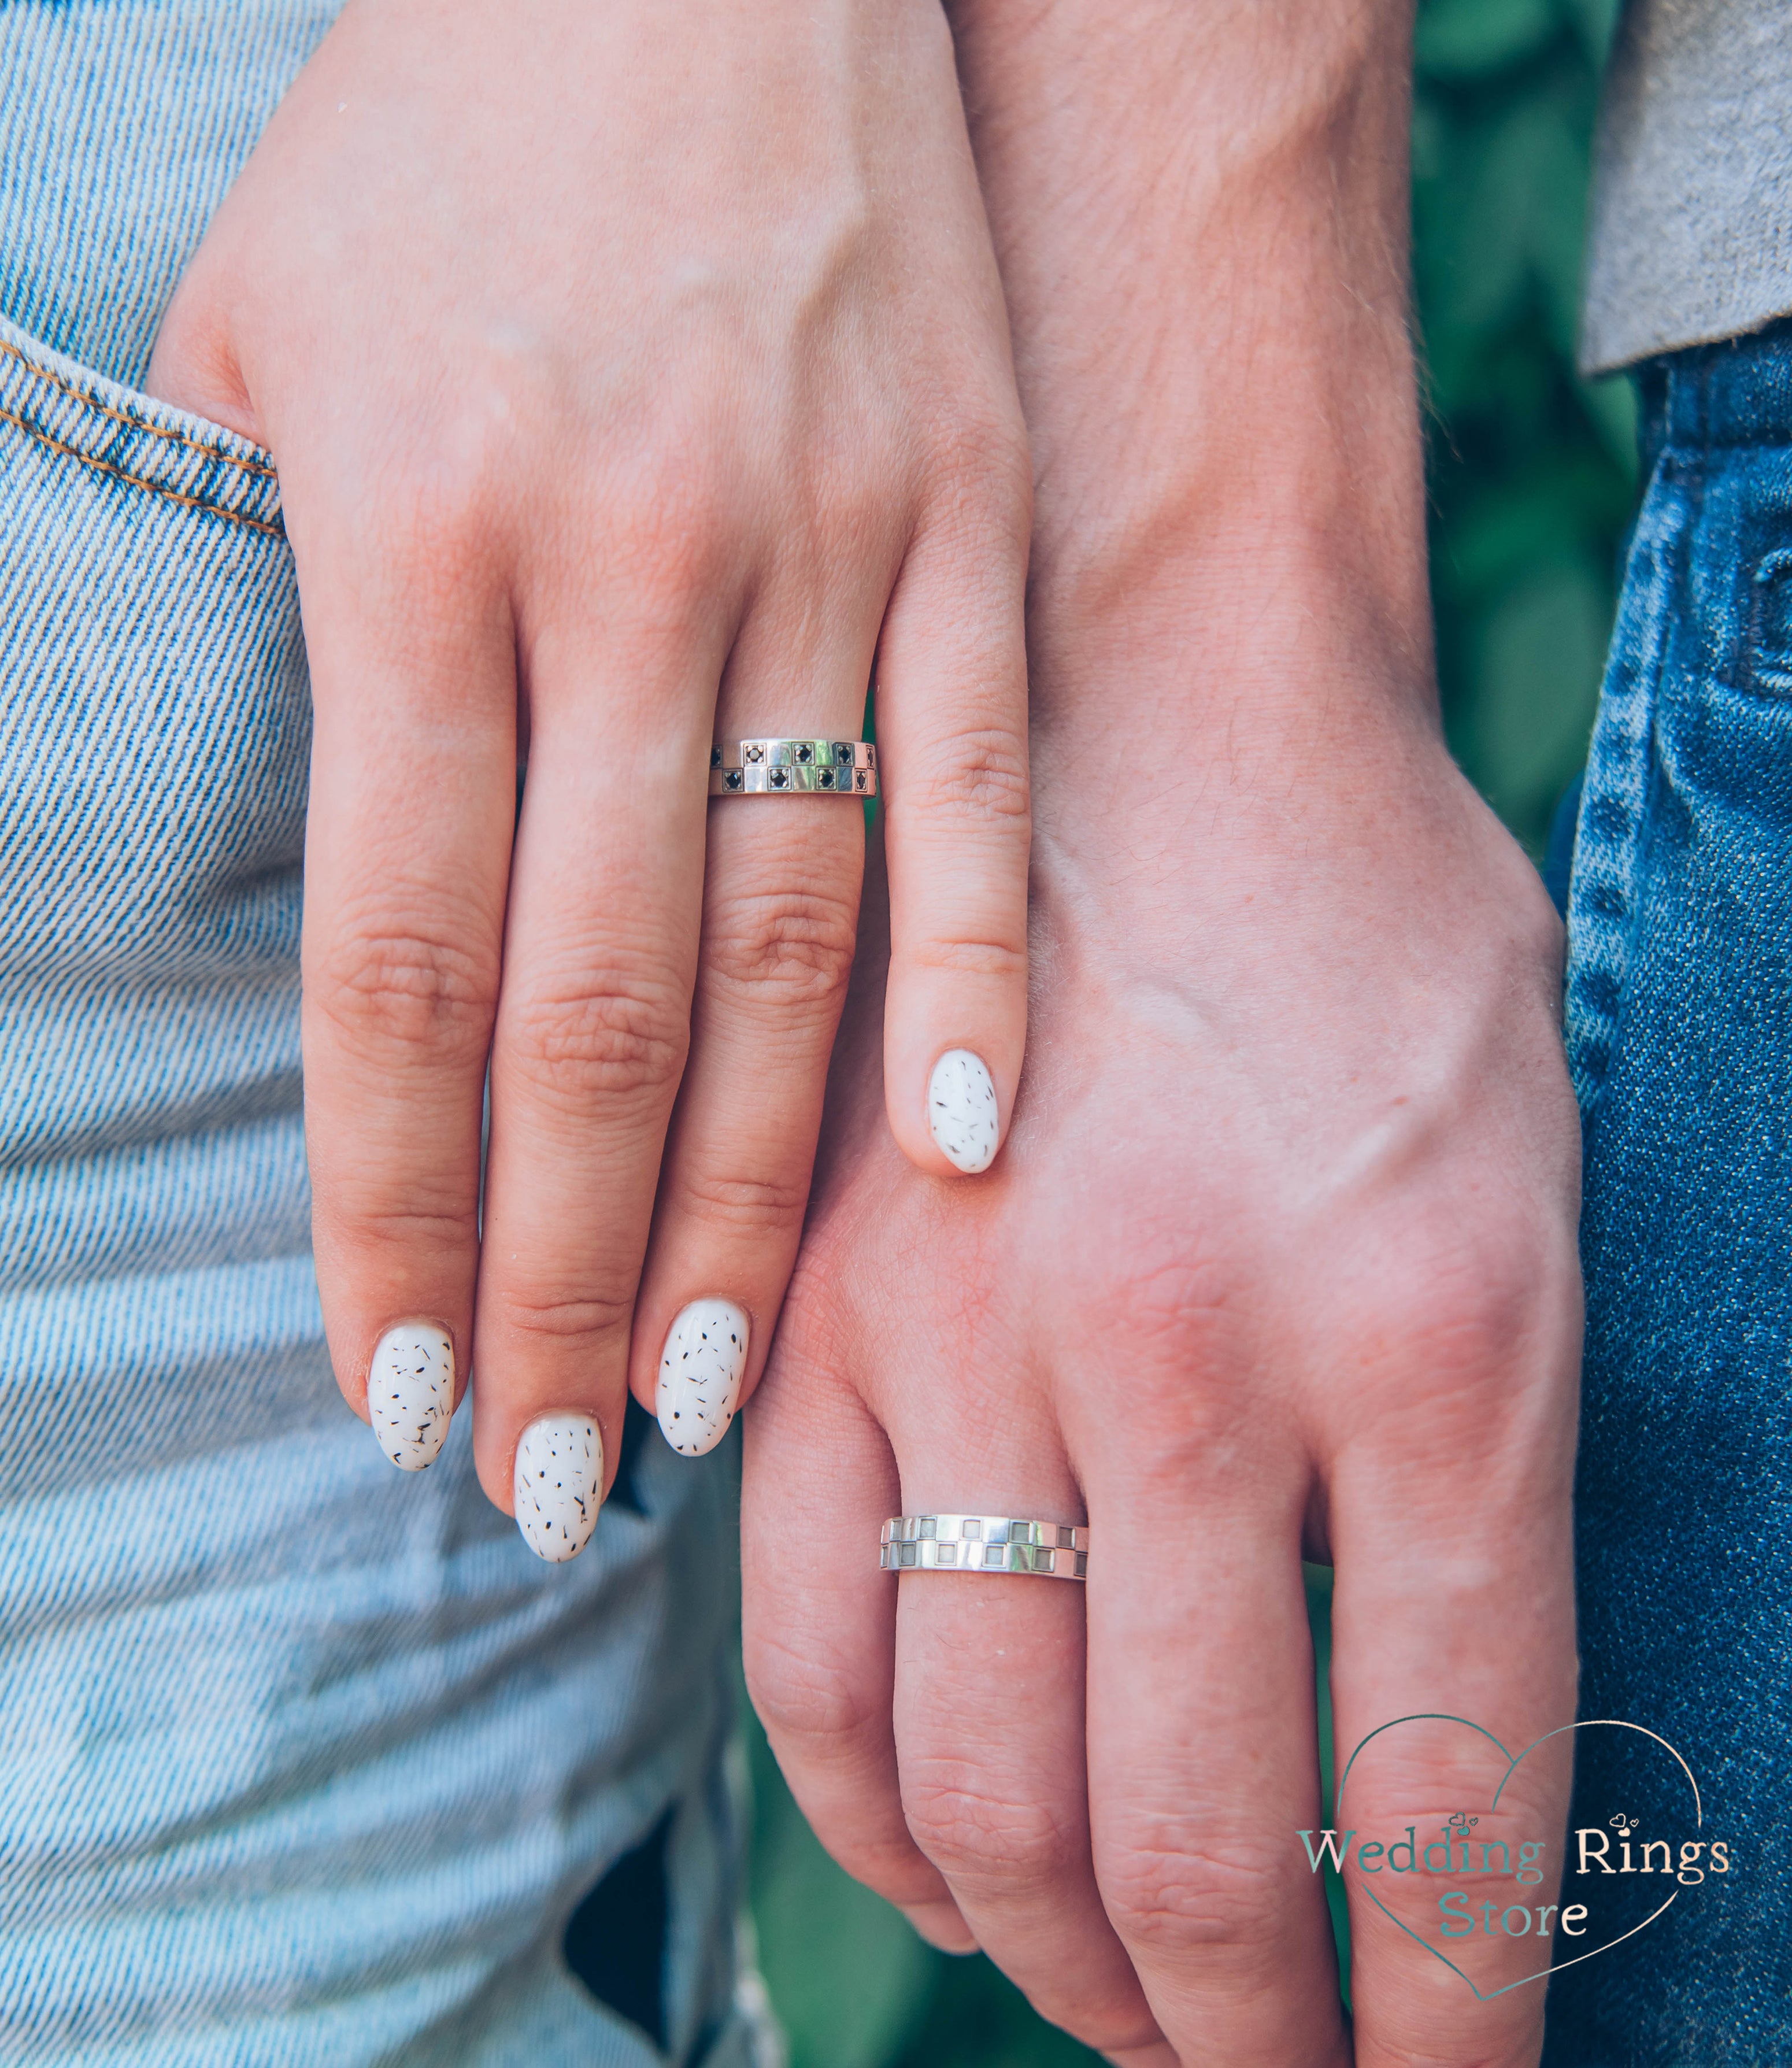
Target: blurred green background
<point x="1532" y="476"/>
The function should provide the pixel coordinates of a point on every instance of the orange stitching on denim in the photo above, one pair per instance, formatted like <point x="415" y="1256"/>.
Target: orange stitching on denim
<point x="90" y="400"/>
<point x="273" y="531"/>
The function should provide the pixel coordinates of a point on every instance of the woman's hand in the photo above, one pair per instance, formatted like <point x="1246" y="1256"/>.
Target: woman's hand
<point x="635" y="375"/>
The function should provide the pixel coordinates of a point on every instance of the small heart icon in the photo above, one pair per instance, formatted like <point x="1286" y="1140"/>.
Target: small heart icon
<point x="1605" y="1898"/>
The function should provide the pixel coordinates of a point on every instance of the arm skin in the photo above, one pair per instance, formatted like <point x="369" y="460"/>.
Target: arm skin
<point x="1279" y="1261"/>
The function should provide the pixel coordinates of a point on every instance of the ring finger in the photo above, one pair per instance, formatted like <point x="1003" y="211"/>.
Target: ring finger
<point x="990" y="1736"/>
<point x="780" y="916"/>
<point x="782" y="877"/>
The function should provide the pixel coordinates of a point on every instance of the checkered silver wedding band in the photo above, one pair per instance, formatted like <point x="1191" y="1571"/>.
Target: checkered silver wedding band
<point x="793" y="768"/>
<point x="983" y="1543"/>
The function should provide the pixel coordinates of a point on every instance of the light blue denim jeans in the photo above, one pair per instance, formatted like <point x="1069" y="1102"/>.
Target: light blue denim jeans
<point x="302" y="1760"/>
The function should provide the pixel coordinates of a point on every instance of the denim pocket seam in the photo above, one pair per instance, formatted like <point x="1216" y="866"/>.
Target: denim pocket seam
<point x="272" y="529"/>
<point x="124" y="438"/>
<point x="87" y="397"/>
<point x="1612" y="834"/>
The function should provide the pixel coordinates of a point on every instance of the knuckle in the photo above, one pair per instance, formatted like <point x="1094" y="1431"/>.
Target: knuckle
<point x="407" y="991"/>
<point x="666" y="545"/>
<point x="814" y="1343"/>
<point x="828" y="1734"/>
<point x="959" y="956"/>
<point x="982" y="463"/>
<point x="555" y="1314"/>
<point x="981" y="1837"/>
<point x="807" y="1700"/>
<point x="438" y="493"/>
<point x="621" y="1036"/>
<point x="1399" y="2053"/>
<point x="789" y="949"/>
<point x="376" y="1222"/>
<point x="368" y="1228"/>
<point x="975" y="778"/>
<point x="675" y="507"/>
<point x="1465" y="1308"/>
<point x="1113" y="2027"/>
<point x="1180" y="1295"/>
<point x="751" y="1206"/>
<point x="1179" y="1902"/>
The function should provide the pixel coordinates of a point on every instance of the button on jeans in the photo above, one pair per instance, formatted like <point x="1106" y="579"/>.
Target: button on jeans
<point x="1679" y="1029"/>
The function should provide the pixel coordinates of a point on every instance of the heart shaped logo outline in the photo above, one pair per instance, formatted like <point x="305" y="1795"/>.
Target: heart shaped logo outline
<point x="1512" y="1765"/>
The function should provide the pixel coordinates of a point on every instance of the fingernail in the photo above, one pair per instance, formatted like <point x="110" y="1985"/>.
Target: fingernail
<point x="961" y="1109"/>
<point x="700" y="1374"/>
<point x="410" y="1393"/>
<point x="558" y="1483"/>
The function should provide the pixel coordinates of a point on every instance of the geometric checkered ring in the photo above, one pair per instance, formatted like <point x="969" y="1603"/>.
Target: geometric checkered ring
<point x="983" y="1543"/>
<point x="793" y="767"/>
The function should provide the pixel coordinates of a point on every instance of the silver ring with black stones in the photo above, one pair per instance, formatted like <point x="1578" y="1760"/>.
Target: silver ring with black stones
<point x="778" y="767"/>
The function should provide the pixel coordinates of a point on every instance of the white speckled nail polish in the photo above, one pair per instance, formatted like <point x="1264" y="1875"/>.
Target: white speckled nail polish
<point x="700" y="1373"/>
<point x="961" y="1109"/>
<point x="558" y="1483"/>
<point x="410" y="1393"/>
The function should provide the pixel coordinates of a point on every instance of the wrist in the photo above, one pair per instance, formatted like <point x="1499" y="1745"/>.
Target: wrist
<point x="1204" y="251"/>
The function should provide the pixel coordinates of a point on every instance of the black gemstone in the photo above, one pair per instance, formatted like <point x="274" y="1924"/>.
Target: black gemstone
<point x="806" y="754"/>
<point x="715" y="757"/>
<point x="733" y="779"/>
<point x="827" y="779"/>
<point x="780" y="777"/>
<point x="843" y="752"/>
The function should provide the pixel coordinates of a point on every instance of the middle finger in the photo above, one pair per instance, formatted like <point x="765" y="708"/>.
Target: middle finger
<point x="593" y="1027"/>
<point x="780" y="922"/>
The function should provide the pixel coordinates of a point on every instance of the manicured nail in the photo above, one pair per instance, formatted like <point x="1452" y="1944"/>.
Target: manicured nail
<point x="410" y="1393"/>
<point x="700" y="1374"/>
<point x="961" y="1109"/>
<point x="558" y="1484"/>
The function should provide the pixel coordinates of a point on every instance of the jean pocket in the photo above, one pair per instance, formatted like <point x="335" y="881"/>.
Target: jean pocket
<point x="1767" y="669"/>
<point x="130" y="446"/>
<point x="155" y="733"/>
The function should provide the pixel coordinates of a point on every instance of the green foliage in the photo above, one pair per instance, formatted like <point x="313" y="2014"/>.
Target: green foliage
<point x="1532" y="469"/>
<point x="854" y="1988"/>
<point x="1532" y="481"/>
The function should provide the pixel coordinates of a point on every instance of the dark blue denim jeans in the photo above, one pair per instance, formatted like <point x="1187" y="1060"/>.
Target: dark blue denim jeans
<point x="1680" y="1012"/>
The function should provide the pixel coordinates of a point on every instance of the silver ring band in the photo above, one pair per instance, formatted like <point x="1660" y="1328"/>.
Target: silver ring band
<point x="793" y="767"/>
<point x="983" y="1543"/>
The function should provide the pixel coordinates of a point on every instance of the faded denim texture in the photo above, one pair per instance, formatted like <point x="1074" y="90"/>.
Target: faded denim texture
<point x="1680" y="1031"/>
<point x="305" y="1761"/>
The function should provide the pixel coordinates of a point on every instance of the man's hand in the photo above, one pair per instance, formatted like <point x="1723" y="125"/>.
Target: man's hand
<point x="634" y="375"/>
<point x="1280" y="1260"/>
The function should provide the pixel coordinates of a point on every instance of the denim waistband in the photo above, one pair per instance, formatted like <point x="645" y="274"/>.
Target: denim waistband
<point x="1735" y="393"/>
